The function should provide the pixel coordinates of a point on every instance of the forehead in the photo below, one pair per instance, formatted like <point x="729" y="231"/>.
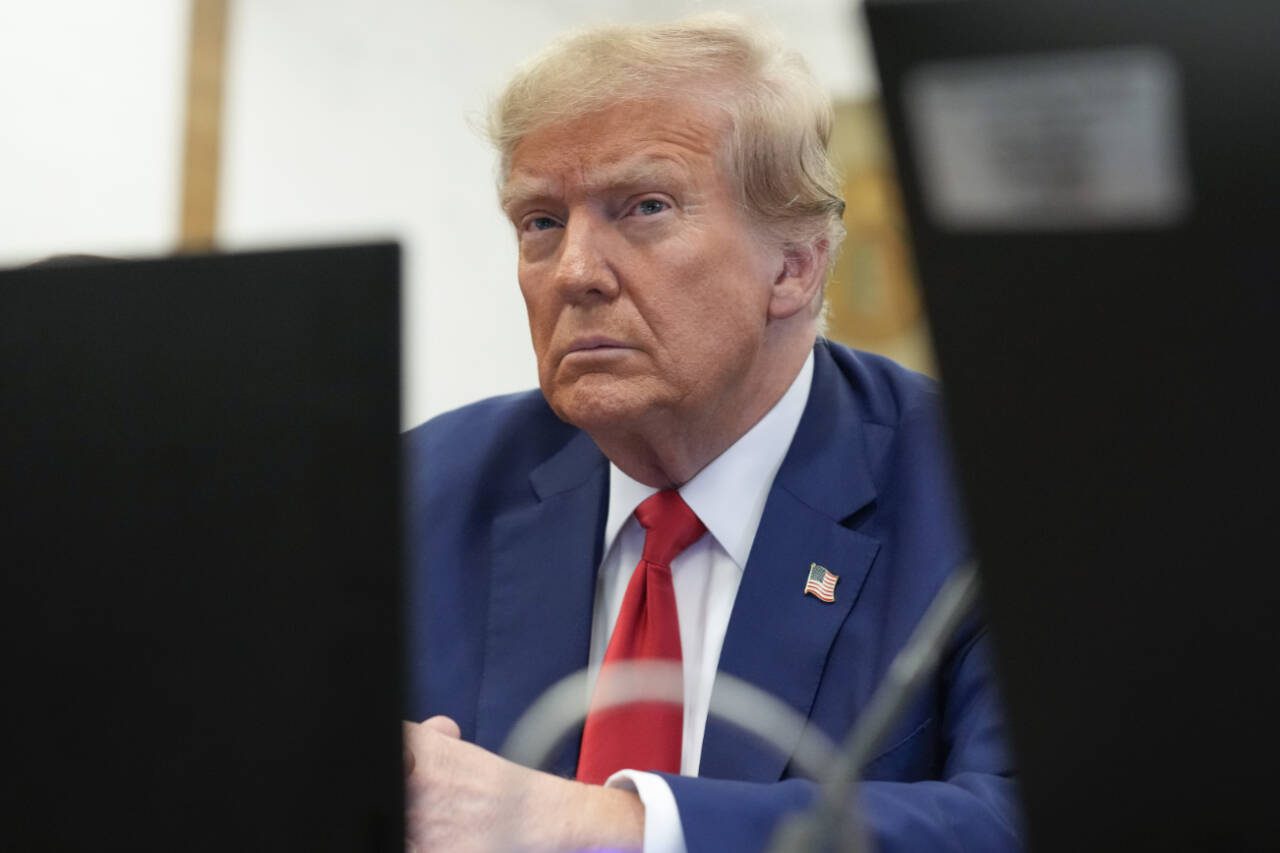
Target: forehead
<point x="627" y="143"/>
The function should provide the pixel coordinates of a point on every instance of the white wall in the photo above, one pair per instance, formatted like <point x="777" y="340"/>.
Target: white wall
<point x="344" y="120"/>
<point x="90" y="126"/>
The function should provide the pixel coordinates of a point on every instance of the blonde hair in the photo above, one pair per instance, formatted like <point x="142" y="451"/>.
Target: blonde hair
<point x="780" y="118"/>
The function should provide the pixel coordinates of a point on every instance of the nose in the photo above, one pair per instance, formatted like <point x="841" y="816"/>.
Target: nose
<point x="583" y="270"/>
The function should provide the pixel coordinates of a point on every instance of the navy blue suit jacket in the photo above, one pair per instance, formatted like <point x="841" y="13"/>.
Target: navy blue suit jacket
<point x="507" y="507"/>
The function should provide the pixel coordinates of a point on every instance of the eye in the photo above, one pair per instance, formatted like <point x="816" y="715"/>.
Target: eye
<point x="540" y="223"/>
<point x="650" y="206"/>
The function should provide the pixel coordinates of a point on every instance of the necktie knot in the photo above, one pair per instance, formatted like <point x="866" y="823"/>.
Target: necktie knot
<point x="670" y="526"/>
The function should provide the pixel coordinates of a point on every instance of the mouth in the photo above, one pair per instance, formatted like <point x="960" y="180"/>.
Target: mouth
<point x="595" y="343"/>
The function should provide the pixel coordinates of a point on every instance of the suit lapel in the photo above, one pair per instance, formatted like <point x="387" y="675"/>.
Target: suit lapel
<point x="825" y="478"/>
<point x="542" y="593"/>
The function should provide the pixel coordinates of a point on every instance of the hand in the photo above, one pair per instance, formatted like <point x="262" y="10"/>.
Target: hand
<point x="459" y="797"/>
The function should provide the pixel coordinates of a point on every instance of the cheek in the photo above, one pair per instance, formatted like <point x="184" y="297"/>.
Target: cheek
<point x="728" y="294"/>
<point x="538" y="307"/>
<point x="733" y="312"/>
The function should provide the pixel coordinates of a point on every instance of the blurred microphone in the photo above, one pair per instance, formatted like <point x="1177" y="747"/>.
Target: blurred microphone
<point x="563" y="706"/>
<point x="833" y="823"/>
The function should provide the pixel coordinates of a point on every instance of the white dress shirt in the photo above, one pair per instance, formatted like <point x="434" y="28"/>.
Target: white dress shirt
<point x="728" y="495"/>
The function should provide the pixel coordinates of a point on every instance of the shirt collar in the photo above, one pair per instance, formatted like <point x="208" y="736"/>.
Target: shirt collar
<point x="730" y="492"/>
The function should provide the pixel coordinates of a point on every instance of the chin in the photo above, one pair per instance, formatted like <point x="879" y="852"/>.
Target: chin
<point x="598" y="403"/>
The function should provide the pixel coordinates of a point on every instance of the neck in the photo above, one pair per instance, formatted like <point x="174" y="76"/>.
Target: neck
<point x="666" y="450"/>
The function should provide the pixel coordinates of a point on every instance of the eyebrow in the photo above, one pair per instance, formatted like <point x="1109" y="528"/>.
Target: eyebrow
<point x="523" y="190"/>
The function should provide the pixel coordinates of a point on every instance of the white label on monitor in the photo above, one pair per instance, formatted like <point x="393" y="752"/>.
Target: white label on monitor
<point x="1085" y="140"/>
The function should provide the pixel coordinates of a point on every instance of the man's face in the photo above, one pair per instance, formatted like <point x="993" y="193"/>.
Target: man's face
<point x="646" y="284"/>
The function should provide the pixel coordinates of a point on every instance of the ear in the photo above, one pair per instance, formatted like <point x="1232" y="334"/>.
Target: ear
<point x="799" y="282"/>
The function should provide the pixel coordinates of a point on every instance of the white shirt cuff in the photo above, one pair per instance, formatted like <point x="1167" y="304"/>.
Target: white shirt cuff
<point x="662" y="830"/>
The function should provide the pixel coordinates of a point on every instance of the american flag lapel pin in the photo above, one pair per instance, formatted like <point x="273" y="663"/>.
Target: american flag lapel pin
<point x="821" y="583"/>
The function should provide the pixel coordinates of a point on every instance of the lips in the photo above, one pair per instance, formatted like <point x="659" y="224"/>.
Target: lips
<point x="595" y="342"/>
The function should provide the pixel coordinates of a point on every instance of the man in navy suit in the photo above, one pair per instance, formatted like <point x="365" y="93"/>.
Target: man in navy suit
<point x="676" y="215"/>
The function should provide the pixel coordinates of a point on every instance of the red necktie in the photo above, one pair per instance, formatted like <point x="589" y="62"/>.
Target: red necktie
<point x="644" y="735"/>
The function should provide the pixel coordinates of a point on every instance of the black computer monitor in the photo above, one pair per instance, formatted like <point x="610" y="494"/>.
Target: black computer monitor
<point x="199" y="533"/>
<point x="1093" y="191"/>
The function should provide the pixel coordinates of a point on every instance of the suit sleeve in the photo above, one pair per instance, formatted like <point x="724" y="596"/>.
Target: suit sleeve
<point x="970" y="806"/>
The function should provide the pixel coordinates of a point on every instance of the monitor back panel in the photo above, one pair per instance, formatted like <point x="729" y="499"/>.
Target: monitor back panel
<point x="1093" y="192"/>
<point x="200" y="541"/>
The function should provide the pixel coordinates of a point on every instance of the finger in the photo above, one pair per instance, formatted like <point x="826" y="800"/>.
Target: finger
<point x="409" y="761"/>
<point x="444" y="725"/>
